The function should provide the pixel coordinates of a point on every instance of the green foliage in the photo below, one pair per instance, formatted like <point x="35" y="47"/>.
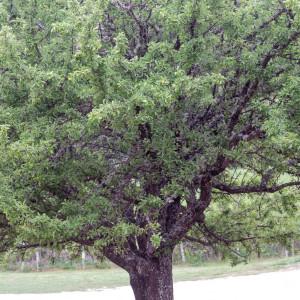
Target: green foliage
<point x="113" y="120"/>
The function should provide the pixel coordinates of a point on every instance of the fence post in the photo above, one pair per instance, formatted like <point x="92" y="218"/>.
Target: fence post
<point x="182" y="254"/>
<point x="37" y="259"/>
<point x="83" y="257"/>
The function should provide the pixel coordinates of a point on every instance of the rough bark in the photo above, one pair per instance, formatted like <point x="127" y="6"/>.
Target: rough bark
<point x="154" y="280"/>
<point x="150" y="276"/>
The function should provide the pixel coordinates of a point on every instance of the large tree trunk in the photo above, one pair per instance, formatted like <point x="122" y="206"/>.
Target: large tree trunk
<point x="153" y="280"/>
<point x="150" y="277"/>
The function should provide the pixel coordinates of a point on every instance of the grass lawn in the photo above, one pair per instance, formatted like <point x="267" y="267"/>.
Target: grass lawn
<point x="57" y="281"/>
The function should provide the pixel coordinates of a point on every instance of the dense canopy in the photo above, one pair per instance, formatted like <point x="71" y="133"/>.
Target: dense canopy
<point x="131" y="125"/>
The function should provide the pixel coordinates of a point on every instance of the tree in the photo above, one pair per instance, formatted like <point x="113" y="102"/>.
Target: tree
<point x="122" y="123"/>
<point x="5" y="233"/>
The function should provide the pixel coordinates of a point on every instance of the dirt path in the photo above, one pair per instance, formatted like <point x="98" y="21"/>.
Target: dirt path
<point x="275" y="286"/>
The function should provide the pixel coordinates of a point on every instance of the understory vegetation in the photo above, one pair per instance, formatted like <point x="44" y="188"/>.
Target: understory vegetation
<point x="91" y="279"/>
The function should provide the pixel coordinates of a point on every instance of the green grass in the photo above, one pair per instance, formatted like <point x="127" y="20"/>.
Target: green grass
<point x="214" y="270"/>
<point x="57" y="281"/>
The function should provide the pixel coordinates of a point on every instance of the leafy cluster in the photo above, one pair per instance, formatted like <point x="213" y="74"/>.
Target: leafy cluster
<point x="122" y="124"/>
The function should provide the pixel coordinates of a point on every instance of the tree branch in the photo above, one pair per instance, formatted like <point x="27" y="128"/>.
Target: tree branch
<point x="247" y="189"/>
<point x="266" y="23"/>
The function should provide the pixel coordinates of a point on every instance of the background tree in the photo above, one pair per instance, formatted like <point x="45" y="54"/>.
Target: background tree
<point x="122" y="122"/>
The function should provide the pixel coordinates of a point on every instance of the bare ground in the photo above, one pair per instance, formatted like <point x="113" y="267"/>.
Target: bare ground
<point x="278" y="285"/>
